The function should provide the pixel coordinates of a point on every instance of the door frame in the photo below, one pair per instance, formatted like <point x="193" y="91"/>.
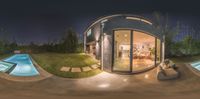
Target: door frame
<point x="113" y="53"/>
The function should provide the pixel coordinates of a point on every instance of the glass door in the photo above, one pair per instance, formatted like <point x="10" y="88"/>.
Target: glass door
<point x="143" y="51"/>
<point x="122" y="50"/>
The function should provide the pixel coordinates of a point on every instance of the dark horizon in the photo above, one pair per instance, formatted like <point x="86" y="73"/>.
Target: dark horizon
<point x="43" y="21"/>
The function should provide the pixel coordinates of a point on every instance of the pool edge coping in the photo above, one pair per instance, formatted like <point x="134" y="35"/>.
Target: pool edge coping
<point x="42" y="74"/>
<point x="192" y="69"/>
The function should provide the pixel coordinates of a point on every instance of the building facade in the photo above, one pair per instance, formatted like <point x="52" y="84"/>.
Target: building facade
<point x="124" y="43"/>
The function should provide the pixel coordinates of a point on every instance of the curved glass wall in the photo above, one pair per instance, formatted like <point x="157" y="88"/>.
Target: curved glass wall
<point x="134" y="51"/>
<point x="143" y="51"/>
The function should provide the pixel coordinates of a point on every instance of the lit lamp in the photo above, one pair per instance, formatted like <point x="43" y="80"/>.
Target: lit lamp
<point x="98" y="41"/>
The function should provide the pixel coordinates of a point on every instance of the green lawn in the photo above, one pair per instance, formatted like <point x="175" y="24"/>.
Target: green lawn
<point x="186" y="59"/>
<point x="52" y="62"/>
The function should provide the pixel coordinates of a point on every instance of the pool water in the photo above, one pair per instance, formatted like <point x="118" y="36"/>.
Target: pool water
<point x="5" y="66"/>
<point x="196" y="65"/>
<point x="24" y="65"/>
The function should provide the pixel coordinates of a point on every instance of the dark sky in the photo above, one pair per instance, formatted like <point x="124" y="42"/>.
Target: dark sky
<point x="44" y="20"/>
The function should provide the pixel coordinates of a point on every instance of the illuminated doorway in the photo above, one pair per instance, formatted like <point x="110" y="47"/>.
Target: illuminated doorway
<point x="134" y="51"/>
<point x="122" y="50"/>
<point x="143" y="51"/>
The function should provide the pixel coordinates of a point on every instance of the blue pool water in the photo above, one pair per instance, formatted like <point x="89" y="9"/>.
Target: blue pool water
<point x="24" y="65"/>
<point x="5" y="66"/>
<point x="196" y="65"/>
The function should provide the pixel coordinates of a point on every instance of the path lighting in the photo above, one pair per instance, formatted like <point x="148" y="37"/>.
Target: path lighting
<point x="125" y="80"/>
<point x="146" y="76"/>
<point x="104" y="85"/>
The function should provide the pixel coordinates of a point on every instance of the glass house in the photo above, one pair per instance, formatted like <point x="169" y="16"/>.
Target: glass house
<point x="124" y="43"/>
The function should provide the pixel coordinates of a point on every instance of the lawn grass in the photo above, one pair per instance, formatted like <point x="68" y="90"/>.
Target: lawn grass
<point x="52" y="62"/>
<point x="186" y="59"/>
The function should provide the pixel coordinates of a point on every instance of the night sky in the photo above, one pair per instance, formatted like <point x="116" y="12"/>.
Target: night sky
<point x="41" y="21"/>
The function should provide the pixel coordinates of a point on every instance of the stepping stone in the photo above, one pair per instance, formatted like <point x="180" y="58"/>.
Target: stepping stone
<point x="94" y="66"/>
<point x="65" y="69"/>
<point x="86" y="68"/>
<point x="76" y="69"/>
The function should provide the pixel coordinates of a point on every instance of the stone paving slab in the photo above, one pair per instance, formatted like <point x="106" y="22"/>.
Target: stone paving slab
<point x="65" y="69"/>
<point x="86" y="68"/>
<point x="76" y="69"/>
<point x="94" y="66"/>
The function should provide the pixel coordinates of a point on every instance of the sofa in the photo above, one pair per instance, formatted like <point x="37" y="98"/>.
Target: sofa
<point x="167" y="71"/>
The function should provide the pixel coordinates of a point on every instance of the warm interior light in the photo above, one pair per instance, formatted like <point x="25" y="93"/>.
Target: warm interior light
<point x="143" y="51"/>
<point x="125" y="35"/>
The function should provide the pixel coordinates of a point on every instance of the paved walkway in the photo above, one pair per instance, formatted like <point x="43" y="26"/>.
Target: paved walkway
<point x="79" y="69"/>
<point x="106" y="86"/>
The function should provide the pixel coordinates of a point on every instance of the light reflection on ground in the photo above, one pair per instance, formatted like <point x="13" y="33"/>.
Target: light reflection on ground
<point x="104" y="80"/>
<point x="107" y="85"/>
<point x="110" y="81"/>
<point x="103" y="85"/>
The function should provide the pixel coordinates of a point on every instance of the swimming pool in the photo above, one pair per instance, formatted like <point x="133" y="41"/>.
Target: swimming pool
<point x="6" y="67"/>
<point x="196" y="65"/>
<point x="24" y="65"/>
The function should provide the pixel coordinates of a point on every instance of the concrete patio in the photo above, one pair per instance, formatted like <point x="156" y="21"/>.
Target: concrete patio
<point x="106" y="85"/>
